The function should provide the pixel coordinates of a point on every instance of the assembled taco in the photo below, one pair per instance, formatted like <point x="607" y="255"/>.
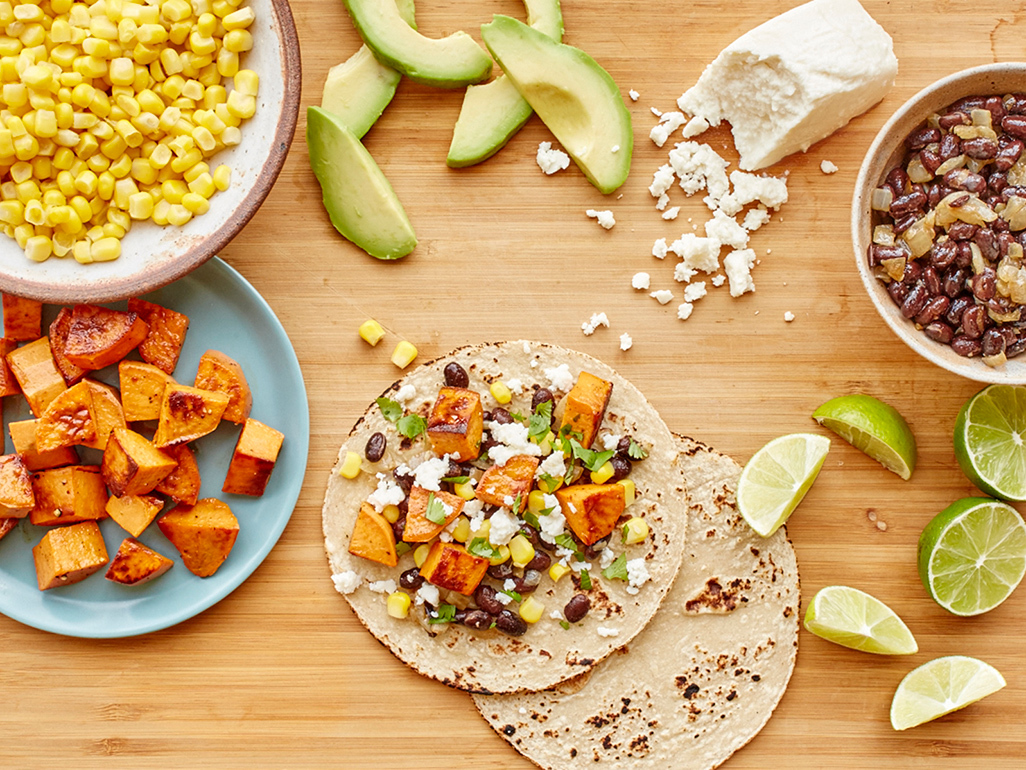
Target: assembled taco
<point x="506" y="516"/>
<point x="704" y="676"/>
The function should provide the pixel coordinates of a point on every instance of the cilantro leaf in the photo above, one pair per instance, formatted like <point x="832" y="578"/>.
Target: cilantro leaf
<point x="456" y="479"/>
<point x="517" y="416"/>
<point x="512" y="594"/>
<point x="446" y="613"/>
<point x="540" y="422"/>
<point x="590" y="459"/>
<point x="531" y="518"/>
<point x="585" y="580"/>
<point x="411" y="426"/>
<point x="566" y="540"/>
<point x="636" y="451"/>
<point x="480" y="546"/>
<point x="435" y="511"/>
<point x="617" y="570"/>
<point x="565" y="624"/>
<point x="390" y="410"/>
<point x="516" y="504"/>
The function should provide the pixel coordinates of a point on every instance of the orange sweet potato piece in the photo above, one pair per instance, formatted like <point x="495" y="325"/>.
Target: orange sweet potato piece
<point x="58" y="340"/>
<point x="135" y="564"/>
<point x="107" y="412"/>
<point x="67" y="555"/>
<point x="68" y="495"/>
<point x="134" y="513"/>
<point x="585" y="408"/>
<point x="373" y="537"/>
<point x="511" y="480"/>
<point x="132" y="465"/>
<point x="219" y="373"/>
<point x="455" y="424"/>
<point x="592" y="510"/>
<point x="16" y="495"/>
<point x="451" y="566"/>
<point x="419" y="528"/>
<point x="187" y="413"/>
<point x="68" y="420"/>
<point x="203" y="534"/>
<point x="99" y="336"/>
<point x="255" y="453"/>
<point x="142" y="389"/>
<point x="8" y="384"/>
<point x="22" y="318"/>
<point x="6" y="525"/>
<point x="163" y="343"/>
<point x="183" y="483"/>
<point x="36" y="373"/>
<point x="23" y="435"/>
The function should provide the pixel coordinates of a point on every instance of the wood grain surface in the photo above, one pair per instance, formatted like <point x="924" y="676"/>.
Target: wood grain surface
<point x="280" y="674"/>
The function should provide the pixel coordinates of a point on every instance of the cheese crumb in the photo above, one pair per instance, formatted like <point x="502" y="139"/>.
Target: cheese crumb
<point x="699" y="167"/>
<point x="668" y="123"/>
<point x="662" y="296"/>
<point x="726" y="230"/>
<point x="405" y="393"/>
<point x="346" y="582"/>
<point x="659" y="248"/>
<point x="663" y="202"/>
<point x="504" y="526"/>
<point x="698" y="253"/>
<point x="605" y="218"/>
<point x="634" y="95"/>
<point x="662" y="179"/>
<point x="717" y="280"/>
<point x="605" y="632"/>
<point x="596" y="320"/>
<point x="626" y="341"/>
<point x="430" y="473"/>
<point x="637" y="572"/>
<point x="513" y="440"/>
<point x="382" y="586"/>
<point x="671" y="213"/>
<point x="682" y="273"/>
<point x="738" y="265"/>
<point x="427" y="593"/>
<point x="827" y="167"/>
<point x="658" y="113"/>
<point x="695" y="291"/>
<point x="695" y="126"/>
<point x="386" y="493"/>
<point x="788" y="316"/>
<point x="755" y="218"/>
<point x="549" y="160"/>
<point x="560" y="377"/>
<point x="684" y="311"/>
<point x="641" y="281"/>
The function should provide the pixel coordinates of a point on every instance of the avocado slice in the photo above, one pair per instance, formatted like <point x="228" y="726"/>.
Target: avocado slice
<point x="572" y="94"/>
<point x="359" y="89"/>
<point x="361" y="203"/>
<point x="492" y="113"/>
<point x="448" y="62"/>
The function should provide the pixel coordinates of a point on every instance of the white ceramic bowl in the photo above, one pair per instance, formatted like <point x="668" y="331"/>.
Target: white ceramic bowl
<point x="153" y="256"/>
<point x="886" y="152"/>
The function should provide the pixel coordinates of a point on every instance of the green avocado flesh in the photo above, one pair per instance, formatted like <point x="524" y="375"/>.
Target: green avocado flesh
<point x="572" y="94"/>
<point x="492" y="113"/>
<point x="359" y="200"/>
<point x="448" y="62"/>
<point x="359" y="89"/>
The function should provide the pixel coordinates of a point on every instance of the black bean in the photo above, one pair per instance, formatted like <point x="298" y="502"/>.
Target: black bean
<point x="974" y="321"/>
<point x="411" y="579"/>
<point x="540" y="397"/>
<point x="999" y="225"/>
<point x="455" y="375"/>
<point x="1013" y="191"/>
<point x="1016" y="104"/>
<point x="485" y="598"/>
<point x="897" y="291"/>
<point x="964" y="346"/>
<point x="621" y="466"/>
<point x="1008" y="154"/>
<point x="501" y="416"/>
<point x="930" y="159"/>
<point x="1005" y="239"/>
<point x="502" y="571"/>
<point x="903" y="224"/>
<point x="1014" y="125"/>
<point x="940" y="332"/>
<point x="984" y="285"/>
<point x="993" y="343"/>
<point x="967" y="104"/>
<point x="943" y="253"/>
<point x="997" y="181"/>
<point x="921" y="137"/>
<point x="980" y="148"/>
<point x="907" y="204"/>
<point x="913" y="272"/>
<point x="592" y="551"/>
<point x="965" y="255"/>
<point x="934" y="309"/>
<point x="1016" y="348"/>
<point x="953" y="282"/>
<point x="996" y="105"/>
<point x="957" y="308"/>
<point x="896" y="180"/>
<point x="476" y="619"/>
<point x="961" y="231"/>
<point x="935" y="194"/>
<point x="932" y="280"/>
<point x="404" y="480"/>
<point x="949" y="120"/>
<point x="950" y="146"/>
<point x="541" y="561"/>
<point x="915" y="300"/>
<point x="510" y="623"/>
<point x="528" y="582"/>
<point x="375" y="448"/>
<point x="577" y="608"/>
<point x="624" y="444"/>
<point x="964" y="179"/>
<point x="398" y="528"/>
<point x="986" y="239"/>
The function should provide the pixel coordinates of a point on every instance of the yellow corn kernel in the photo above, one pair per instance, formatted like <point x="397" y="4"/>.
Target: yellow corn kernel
<point x="26" y="147"/>
<point x="536" y="501"/>
<point x="238" y="40"/>
<point x="28" y="191"/>
<point x="222" y="177"/>
<point x="142" y="171"/>
<point x="603" y="474"/>
<point x="247" y="82"/>
<point x="113" y="230"/>
<point x="630" y="491"/>
<point x="203" y="185"/>
<point x="501" y="557"/>
<point x="37" y="76"/>
<point x="45" y="124"/>
<point x="63" y="242"/>
<point x="390" y="512"/>
<point x="200" y="43"/>
<point x="20" y="172"/>
<point x="103" y="28"/>
<point x="160" y="156"/>
<point x="85" y="183"/>
<point x="129" y="104"/>
<point x="160" y="212"/>
<point x="65" y="113"/>
<point x="196" y="204"/>
<point x="370" y="330"/>
<point x="105" y="182"/>
<point x="501" y="392"/>
<point x="122" y="72"/>
<point x="34" y="213"/>
<point x="484" y="529"/>
<point x="151" y="34"/>
<point x="531" y="609"/>
<point x="12" y="212"/>
<point x="461" y="532"/>
<point x="6" y="143"/>
<point x="54" y="198"/>
<point x="420" y="554"/>
<point x="227" y="63"/>
<point x="170" y="63"/>
<point x="557" y="571"/>
<point x="23" y="232"/>
<point x="150" y="101"/>
<point x="520" y="550"/>
<point x="231" y="136"/>
<point x="81" y="206"/>
<point x="121" y="166"/>
<point x="33" y="35"/>
<point x="183" y="162"/>
<point x="105" y="249"/>
<point x="140" y="205"/>
<point x="128" y="132"/>
<point x="404" y="354"/>
<point x="192" y="89"/>
<point x="173" y="190"/>
<point x="38" y="248"/>
<point x="635" y="531"/>
<point x="100" y="105"/>
<point x="178" y="215"/>
<point x="194" y="173"/>
<point x="240" y="19"/>
<point x="82" y="252"/>
<point x="240" y="105"/>
<point x="203" y="138"/>
<point x="175" y="10"/>
<point x="123" y="190"/>
<point x="119" y="218"/>
<point x="398" y="604"/>
<point x="88" y="145"/>
<point x="465" y="490"/>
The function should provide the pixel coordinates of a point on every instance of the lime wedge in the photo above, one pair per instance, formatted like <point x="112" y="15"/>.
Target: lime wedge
<point x="873" y="427"/>
<point x="852" y="618"/>
<point x="941" y="686"/>
<point x="777" y="477"/>
<point x="990" y="441"/>
<point x="973" y="555"/>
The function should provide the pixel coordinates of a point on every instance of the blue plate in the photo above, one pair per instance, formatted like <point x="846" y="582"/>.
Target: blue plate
<point x="229" y="315"/>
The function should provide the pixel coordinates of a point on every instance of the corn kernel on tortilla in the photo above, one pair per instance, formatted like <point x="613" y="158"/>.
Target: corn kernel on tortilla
<point x="704" y="676"/>
<point x="489" y="661"/>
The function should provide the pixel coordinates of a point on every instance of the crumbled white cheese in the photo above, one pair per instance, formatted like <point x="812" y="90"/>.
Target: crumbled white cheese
<point x="502" y="598"/>
<point x="671" y="213"/>
<point x="509" y="584"/>
<point x="695" y="126"/>
<point x="770" y="191"/>
<point x="699" y="167"/>
<point x="606" y="557"/>
<point x="717" y="280"/>
<point x="788" y="316"/>
<point x="430" y="473"/>
<point x="552" y="524"/>
<point x="549" y="160"/>
<point x="641" y="281"/>
<point x="554" y="615"/>
<point x="637" y="572"/>
<point x="626" y="341"/>
<point x="661" y="180"/>
<point x="605" y="632"/>
<point x="726" y="230"/>
<point x="386" y="493"/>
<point x="682" y="273"/>
<point x="659" y="248"/>
<point x="515" y="385"/>
<point x="405" y="393"/>
<point x="656" y="111"/>
<point x="663" y="202"/>
<point x="596" y="320"/>
<point x="755" y="218"/>
<point x="560" y="377"/>
<point x="604" y="218"/>
<point x="684" y="311"/>
<point x="508" y="501"/>
<point x="504" y="527"/>
<point x="554" y="465"/>
<point x="527" y="346"/>
<point x="695" y="291"/>
<point x="513" y="440"/>
<point x="346" y="582"/>
<point x="827" y="167"/>
<point x="474" y="510"/>
<point x="662" y="296"/>
<point x="634" y="95"/>
<point x="738" y="266"/>
<point x="698" y="253"/>
<point x="382" y="586"/>
<point x="668" y="123"/>
<point x="427" y="593"/>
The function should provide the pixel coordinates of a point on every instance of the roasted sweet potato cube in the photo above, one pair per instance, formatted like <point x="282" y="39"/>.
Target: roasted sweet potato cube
<point x="424" y="508"/>
<point x="585" y="408"/>
<point x="135" y="563"/>
<point x="455" y="424"/>
<point x="163" y="343"/>
<point x="183" y="483"/>
<point x="68" y="420"/>
<point x="22" y="318"/>
<point x="36" y="373"/>
<point x="16" y="495"/>
<point x="132" y="465"/>
<point x="592" y="510"/>
<point x="107" y="412"/>
<point x="221" y="374"/>
<point x="8" y="384"/>
<point x="203" y="534"/>
<point x="23" y="435"/>
<point x="99" y="336"/>
<point x="142" y="389"/>
<point x="503" y="484"/>
<point x="188" y="413"/>
<point x="59" y="329"/>
<point x="68" y="495"/>
<point x="6" y="525"/>
<point x="67" y="555"/>
<point x="373" y="537"/>
<point x="451" y="566"/>
<point x="255" y="453"/>
<point x="134" y="513"/>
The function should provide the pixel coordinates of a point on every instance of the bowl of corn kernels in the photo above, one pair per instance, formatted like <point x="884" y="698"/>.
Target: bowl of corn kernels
<point x="136" y="137"/>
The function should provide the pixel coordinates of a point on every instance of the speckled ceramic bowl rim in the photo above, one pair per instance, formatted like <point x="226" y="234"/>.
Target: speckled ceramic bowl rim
<point x="883" y="154"/>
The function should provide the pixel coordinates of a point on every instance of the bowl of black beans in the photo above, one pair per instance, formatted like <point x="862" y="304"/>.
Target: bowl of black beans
<point x="939" y="223"/>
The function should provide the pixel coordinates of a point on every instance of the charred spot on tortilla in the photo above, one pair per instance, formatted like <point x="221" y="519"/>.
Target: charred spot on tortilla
<point x="717" y="598"/>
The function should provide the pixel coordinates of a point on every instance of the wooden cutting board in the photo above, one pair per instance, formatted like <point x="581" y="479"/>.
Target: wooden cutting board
<point x="281" y="674"/>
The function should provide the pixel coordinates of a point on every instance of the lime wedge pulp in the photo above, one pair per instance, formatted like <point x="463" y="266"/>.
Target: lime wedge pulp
<point x="973" y="555"/>
<point x="852" y="618"/>
<point x="941" y="686"/>
<point x="990" y="441"/>
<point x="873" y="427"/>
<point x="777" y="477"/>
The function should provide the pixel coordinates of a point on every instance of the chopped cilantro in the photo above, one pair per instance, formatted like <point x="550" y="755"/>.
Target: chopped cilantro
<point x="512" y="594"/>
<point x="617" y="570"/>
<point x="565" y="624"/>
<point x="567" y="432"/>
<point x="585" y="580"/>
<point x="636" y="451"/>
<point x="456" y="479"/>
<point x="541" y="420"/>
<point x="548" y="480"/>
<point x="411" y="426"/>
<point x="517" y="416"/>
<point x="566" y="540"/>
<point x="446" y="613"/>
<point x="591" y="460"/>
<point x="435" y="511"/>
<point x="390" y="410"/>
<point x="480" y="546"/>
<point x="516" y="504"/>
<point x="531" y="518"/>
